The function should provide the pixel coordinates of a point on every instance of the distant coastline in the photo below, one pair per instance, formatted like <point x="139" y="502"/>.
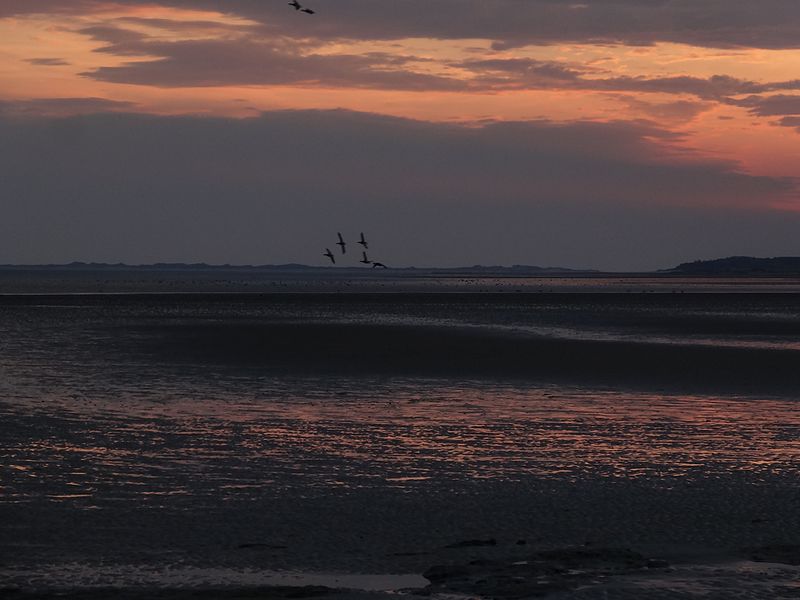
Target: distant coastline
<point x="740" y="266"/>
<point x="729" y="266"/>
<point x="514" y="270"/>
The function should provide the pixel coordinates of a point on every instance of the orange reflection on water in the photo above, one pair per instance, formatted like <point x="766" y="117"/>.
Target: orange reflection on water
<point x="399" y="434"/>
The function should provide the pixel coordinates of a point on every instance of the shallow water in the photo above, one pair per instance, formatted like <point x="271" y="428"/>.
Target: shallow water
<point x="122" y="405"/>
<point x="99" y="390"/>
<point x="239" y="439"/>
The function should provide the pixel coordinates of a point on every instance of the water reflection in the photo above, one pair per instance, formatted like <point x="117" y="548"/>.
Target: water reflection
<point x="242" y="438"/>
<point x="91" y="414"/>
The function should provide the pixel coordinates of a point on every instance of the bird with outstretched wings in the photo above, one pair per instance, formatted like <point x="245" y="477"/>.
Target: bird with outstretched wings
<point x="297" y="6"/>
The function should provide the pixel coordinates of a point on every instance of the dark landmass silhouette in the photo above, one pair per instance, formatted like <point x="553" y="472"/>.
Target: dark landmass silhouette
<point x="740" y="265"/>
<point x="475" y="269"/>
<point x="730" y="266"/>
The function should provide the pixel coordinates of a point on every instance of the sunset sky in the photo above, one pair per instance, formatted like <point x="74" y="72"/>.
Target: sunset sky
<point x="612" y="134"/>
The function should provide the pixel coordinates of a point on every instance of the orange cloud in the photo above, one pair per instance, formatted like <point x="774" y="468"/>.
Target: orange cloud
<point x="186" y="58"/>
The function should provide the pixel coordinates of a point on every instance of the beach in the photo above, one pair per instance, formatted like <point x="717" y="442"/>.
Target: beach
<point x="558" y="444"/>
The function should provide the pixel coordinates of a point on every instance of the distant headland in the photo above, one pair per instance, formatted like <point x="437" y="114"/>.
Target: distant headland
<point x="740" y="265"/>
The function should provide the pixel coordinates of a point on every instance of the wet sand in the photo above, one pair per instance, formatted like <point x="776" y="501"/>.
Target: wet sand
<point x="582" y="540"/>
<point x="479" y="353"/>
<point x="505" y="446"/>
<point x="697" y="343"/>
<point x="271" y="280"/>
<point x="713" y="532"/>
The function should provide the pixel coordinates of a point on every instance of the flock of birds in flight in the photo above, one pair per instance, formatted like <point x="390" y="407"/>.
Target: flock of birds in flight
<point x="343" y="245"/>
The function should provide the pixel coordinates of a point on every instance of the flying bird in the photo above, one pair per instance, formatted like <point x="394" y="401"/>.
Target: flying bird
<point x="363" y="242"/>
<point x="365" y="260"/>
<point x="379" y="265"/>
<point x="329" y="254"/>
<point x="297" y="6"/>
<point x="341" y="243"/>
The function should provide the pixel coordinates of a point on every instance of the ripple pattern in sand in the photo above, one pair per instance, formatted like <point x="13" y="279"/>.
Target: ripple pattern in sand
<point x="223" y="441"/>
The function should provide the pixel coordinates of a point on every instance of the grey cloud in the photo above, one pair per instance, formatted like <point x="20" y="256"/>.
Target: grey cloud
<point x="48" y="62"/>
<point x="711" y="23"/>
<point x="769" y="106"/>
<point x="714" y="87"/>
<point x="779" y="105"/>
<point x="272" y="189"/>
<point x="248" y="60"/>
<point x="520" y="69"/>
<point x="522" y="73"/>
<point x="681" y="110"/>
<point x="119" y="41"/>
<point x="59" y="107"/>
<point x="790" y="122"/>
<point x="197" y="63"/>
<point x="10" y="8"/>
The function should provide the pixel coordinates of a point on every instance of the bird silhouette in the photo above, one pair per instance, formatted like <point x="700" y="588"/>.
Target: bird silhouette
<point x="329" y="254"/>
<point x="297" y="6"/>
<point x="379" y="265"/>
<point x="363" y="242"/>
<point x="365" y="260"/>
<point x="341" y="243"/>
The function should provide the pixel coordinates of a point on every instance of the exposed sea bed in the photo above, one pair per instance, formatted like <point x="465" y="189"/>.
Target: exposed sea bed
<point x="365" y="434"/>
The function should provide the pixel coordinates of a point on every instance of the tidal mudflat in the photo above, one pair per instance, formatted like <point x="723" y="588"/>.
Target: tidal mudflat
<point x="564" y="445"/>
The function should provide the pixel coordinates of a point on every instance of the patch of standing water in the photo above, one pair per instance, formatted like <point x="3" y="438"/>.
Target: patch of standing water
<point x="100" y="576"/>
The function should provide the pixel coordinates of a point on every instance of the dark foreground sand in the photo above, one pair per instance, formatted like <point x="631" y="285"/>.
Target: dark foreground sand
<point x="569" y="573"/>
<point x="555" y="539"/>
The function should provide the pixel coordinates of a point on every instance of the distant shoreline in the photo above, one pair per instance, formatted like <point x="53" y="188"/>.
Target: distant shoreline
<point x="515" y="270"/>
<point x="735" y="266"/>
